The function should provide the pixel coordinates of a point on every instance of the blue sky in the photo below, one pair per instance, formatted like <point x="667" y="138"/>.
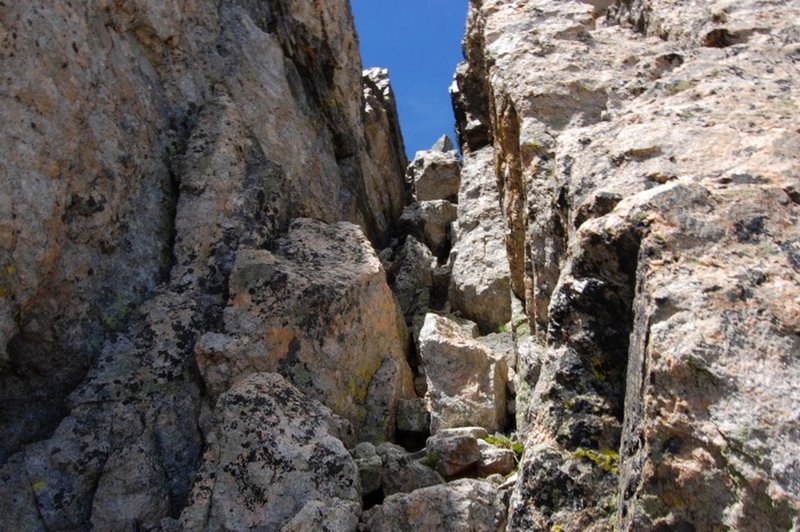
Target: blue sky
<point x="419" y="41"/>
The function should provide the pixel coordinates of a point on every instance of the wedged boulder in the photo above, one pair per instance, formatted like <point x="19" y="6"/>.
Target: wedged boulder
<point x="411" y="277"/>
<point x="273" y="458"/>
<point x="430" y="221"/>
<point x="402" y="473"/>
<point x="466" y="380"/>
<point x="455" y="451"/>
<point x="465" y="504"/>
<point x="480" y="282"/>
<point x="317" y="310"/>
<point x="435" y="174"/>
<point x="413" y="416"/>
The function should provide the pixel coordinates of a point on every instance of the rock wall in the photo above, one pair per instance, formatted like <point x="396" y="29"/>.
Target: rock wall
<point x="148" y="149"/>
<point x="646" y="153"/>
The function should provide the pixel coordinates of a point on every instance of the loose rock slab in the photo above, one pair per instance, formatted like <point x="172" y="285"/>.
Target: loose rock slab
<point x="274" y="458"/>
<point x="466" y="381"/>
<point x="317" y="310"/>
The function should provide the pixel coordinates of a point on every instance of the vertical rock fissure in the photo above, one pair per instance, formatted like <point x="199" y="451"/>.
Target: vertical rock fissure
<point x="579" y="399"/>
<point x="512" y="192"/>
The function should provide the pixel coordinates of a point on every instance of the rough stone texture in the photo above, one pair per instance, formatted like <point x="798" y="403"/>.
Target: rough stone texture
<point x="410" y="277"/>
<point x="633" y="172"/>
<point x="495" y="460"/>
<point x="502" y="345"/>
<point x="369" y="466"/>
<point x="272" y="452"/>
<point x="401" y="473"/>
<point x="648" y="166"/>
<point x="317" y="309"/>
<point x="435" y="175"/>
<point x="443" y="144"/>
<point x="122" y="500"/>
<point x="480" y="284"/>
<point x="461" y="505"/>
<point x="143" y="144"/>
<point x="413" y="416"/>
<point x="530" y="352"/>
<point x="335" y="515"/>
<point x="430" y="222"/>
<point x="97" y="108"/>
<point x="385" y="164"/>
<point x="18" y="496"/>
<point x="466" y="380"/>
<point x="454" y="451"/>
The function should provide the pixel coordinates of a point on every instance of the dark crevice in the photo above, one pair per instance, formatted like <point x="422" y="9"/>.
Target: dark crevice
<point x="723" y="37"/>
<point x="373" y="498"/>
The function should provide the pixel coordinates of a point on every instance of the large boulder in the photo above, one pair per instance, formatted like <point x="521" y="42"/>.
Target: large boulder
<point x="273" y="458"/>
<point x="465" y="504"/>
<point x="466" y="381"/>
<point x="495" y="460"/>
<point x="316" y="309"/>
<point x="480" y="283"/>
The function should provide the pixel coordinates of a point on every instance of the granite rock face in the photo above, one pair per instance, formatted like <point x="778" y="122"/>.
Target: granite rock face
<point x="195" y="326"/>
<point x="146" y="147"/>
<point x="647" y="165"/>
<point x="98" y="106"/>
